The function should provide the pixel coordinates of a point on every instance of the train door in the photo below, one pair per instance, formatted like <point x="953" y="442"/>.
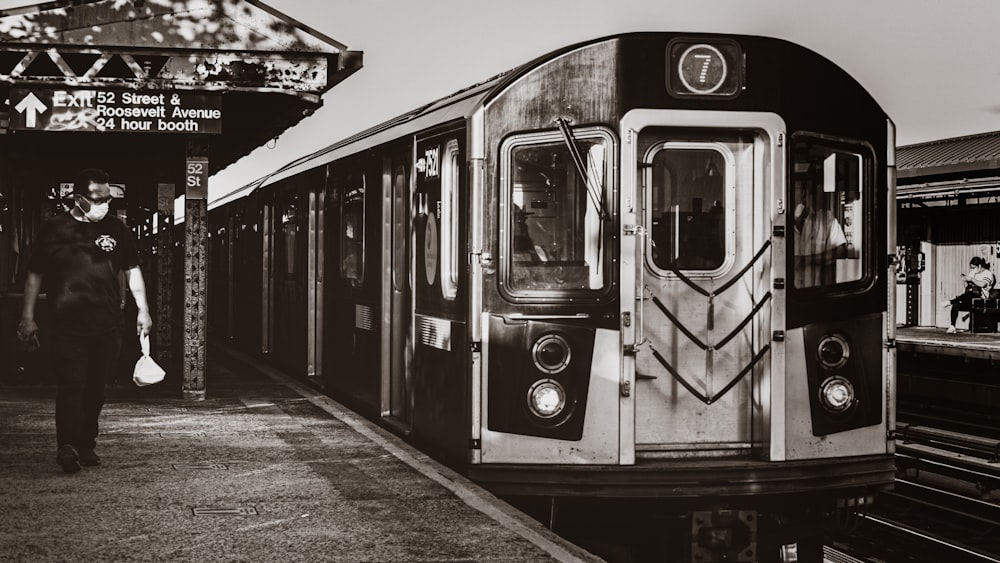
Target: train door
<point x="702" y="271"/>
<point x="439" y="368"/>
<point x="267" y="286"/>
<point x="232" y="236"/>
<point x="397" y="294"/>
<point x="351" y="318"/>
<point x="289" y="280"/>
<point x="314" y="280"/>
<point x="288" y="276"/>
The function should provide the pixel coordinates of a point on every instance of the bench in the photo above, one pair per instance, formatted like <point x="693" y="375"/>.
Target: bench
<point x="985" y="313"/>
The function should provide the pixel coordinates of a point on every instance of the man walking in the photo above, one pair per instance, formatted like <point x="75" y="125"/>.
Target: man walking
<point x="79" y="255"/>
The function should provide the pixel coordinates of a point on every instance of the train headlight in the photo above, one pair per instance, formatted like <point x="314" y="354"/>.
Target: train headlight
<point x="836" y="394"/>
<point x="546" y="398"/>
<point x="833" y="351"/>
<point x="551" y="353"/>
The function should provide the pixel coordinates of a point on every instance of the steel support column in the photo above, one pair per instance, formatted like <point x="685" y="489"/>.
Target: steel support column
<point x="195" y="268"/>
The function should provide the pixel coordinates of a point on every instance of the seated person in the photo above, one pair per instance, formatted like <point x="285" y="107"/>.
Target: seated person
<point x="978" y="283"/>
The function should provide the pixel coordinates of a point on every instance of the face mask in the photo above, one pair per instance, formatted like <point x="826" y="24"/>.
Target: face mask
<point x="97" y="212"/>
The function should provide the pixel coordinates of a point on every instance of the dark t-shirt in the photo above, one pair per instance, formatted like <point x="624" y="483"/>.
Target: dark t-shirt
<point x="81" y="262"/>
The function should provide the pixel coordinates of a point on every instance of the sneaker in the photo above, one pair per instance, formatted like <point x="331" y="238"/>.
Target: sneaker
<point x="951" y="330"/>
<point x="68" y="458"/>
<point x="89" y="457"/>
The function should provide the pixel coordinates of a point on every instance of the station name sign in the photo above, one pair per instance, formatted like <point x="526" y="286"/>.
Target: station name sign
<point x="114" y="111"/>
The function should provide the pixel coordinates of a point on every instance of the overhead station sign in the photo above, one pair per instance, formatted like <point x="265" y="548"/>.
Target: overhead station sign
<point x="114" y="111"/>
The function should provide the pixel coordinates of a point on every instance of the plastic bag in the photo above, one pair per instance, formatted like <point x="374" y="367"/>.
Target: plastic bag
<point x="147" y="372"/>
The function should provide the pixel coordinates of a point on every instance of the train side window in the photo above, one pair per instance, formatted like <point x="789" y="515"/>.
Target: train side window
<point x="352" y="235"/>
<point x="556" y="214"/>
<point x="450" y="168"/>
<point x="829" y="213"/>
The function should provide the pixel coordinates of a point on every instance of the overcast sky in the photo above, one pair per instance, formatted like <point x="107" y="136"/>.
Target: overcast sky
<point x="933" y="65"/>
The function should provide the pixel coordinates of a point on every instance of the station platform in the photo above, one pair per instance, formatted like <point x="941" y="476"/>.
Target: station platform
<point x="264" y="469"/>
<point x="936" y="341"/>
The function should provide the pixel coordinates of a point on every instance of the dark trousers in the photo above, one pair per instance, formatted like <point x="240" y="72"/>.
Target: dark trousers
<point x="82" y="364"/>
<point x="962" y="303"/>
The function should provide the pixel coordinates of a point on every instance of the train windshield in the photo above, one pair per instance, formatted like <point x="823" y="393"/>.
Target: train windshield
<point x="556" y="221"/>
<point x="828" y="208"/>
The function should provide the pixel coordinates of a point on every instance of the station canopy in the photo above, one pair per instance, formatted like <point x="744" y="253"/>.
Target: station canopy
<point x="262" y="70"/>
<point x="963" y="168"/>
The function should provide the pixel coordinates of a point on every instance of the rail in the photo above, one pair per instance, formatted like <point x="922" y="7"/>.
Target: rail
<point x="947" y="440"/>
<point x="951" y="514"/>
<point x="960" y="551"/>
<point x="929" y="523"/>
<point x="833" y="555"/>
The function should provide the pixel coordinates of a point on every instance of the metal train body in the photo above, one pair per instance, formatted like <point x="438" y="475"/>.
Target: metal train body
<point x="584" y="277"/>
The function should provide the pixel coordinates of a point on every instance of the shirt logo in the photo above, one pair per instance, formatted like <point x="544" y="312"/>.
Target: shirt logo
<point x="107" y="243"/>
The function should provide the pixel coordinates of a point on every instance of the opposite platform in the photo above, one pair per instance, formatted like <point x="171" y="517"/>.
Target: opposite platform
<point x="936" y="341"/>
<point x="265" y="469"/>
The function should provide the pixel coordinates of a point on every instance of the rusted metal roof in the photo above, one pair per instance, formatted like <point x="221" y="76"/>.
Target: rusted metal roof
<point x="949" y="156"/>
<point x="193" y="24"/>
<point x="188" y="44"/>
<point x="272" y="68"/>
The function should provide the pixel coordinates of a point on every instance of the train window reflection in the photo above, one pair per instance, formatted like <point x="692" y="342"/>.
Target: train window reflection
<point x="827" y="215"/>
<point x="289" y="230"/>
<point x="688" y="205"/>
<point x="555" y="235"/>
<point x="352" y="240"/>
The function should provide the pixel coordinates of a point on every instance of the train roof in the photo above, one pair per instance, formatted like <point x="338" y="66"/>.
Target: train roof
<point x="461" y="104"/>
<point x="453" y="106"/>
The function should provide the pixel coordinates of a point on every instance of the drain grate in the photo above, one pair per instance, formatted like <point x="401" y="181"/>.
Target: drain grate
<point x="224" y="511"/>
<point x="198" y="466"/>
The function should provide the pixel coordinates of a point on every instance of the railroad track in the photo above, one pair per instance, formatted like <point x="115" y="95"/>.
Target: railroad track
<point x="952" y="394"/>
<point x="957" y="417"/>
<point x="938" y="525"/>
<point x="945" y="505"/>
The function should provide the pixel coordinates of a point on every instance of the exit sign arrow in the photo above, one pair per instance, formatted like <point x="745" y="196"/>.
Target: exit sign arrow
<point x="31" y="107"/>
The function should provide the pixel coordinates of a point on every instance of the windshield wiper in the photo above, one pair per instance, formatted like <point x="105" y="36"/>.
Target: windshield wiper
<point x="594" y="193"/>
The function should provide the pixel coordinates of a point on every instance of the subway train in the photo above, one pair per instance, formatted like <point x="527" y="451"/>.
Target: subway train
<point x="651" y="268"/>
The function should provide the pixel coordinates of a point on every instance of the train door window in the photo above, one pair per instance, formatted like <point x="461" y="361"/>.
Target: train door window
<point x="690" y="208"/>
<point x="830" y="213"/>
<point x="450" y="168"/>
<point x="289" y="229"/>
<point x="400" y="233"/>
<point x="555" y="224"/>
<point x="352" y="225"/>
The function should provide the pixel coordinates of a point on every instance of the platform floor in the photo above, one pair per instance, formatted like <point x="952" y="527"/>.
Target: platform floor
<point x="264" y="469"/>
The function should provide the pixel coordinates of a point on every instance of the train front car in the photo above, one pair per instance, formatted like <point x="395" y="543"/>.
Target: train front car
<point x="685" y="292"/>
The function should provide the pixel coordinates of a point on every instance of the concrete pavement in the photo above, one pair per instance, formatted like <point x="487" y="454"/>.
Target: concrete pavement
<point x="265" y="469"/>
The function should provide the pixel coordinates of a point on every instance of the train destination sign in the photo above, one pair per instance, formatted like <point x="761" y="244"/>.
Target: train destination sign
<point x="114" y="111"/>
